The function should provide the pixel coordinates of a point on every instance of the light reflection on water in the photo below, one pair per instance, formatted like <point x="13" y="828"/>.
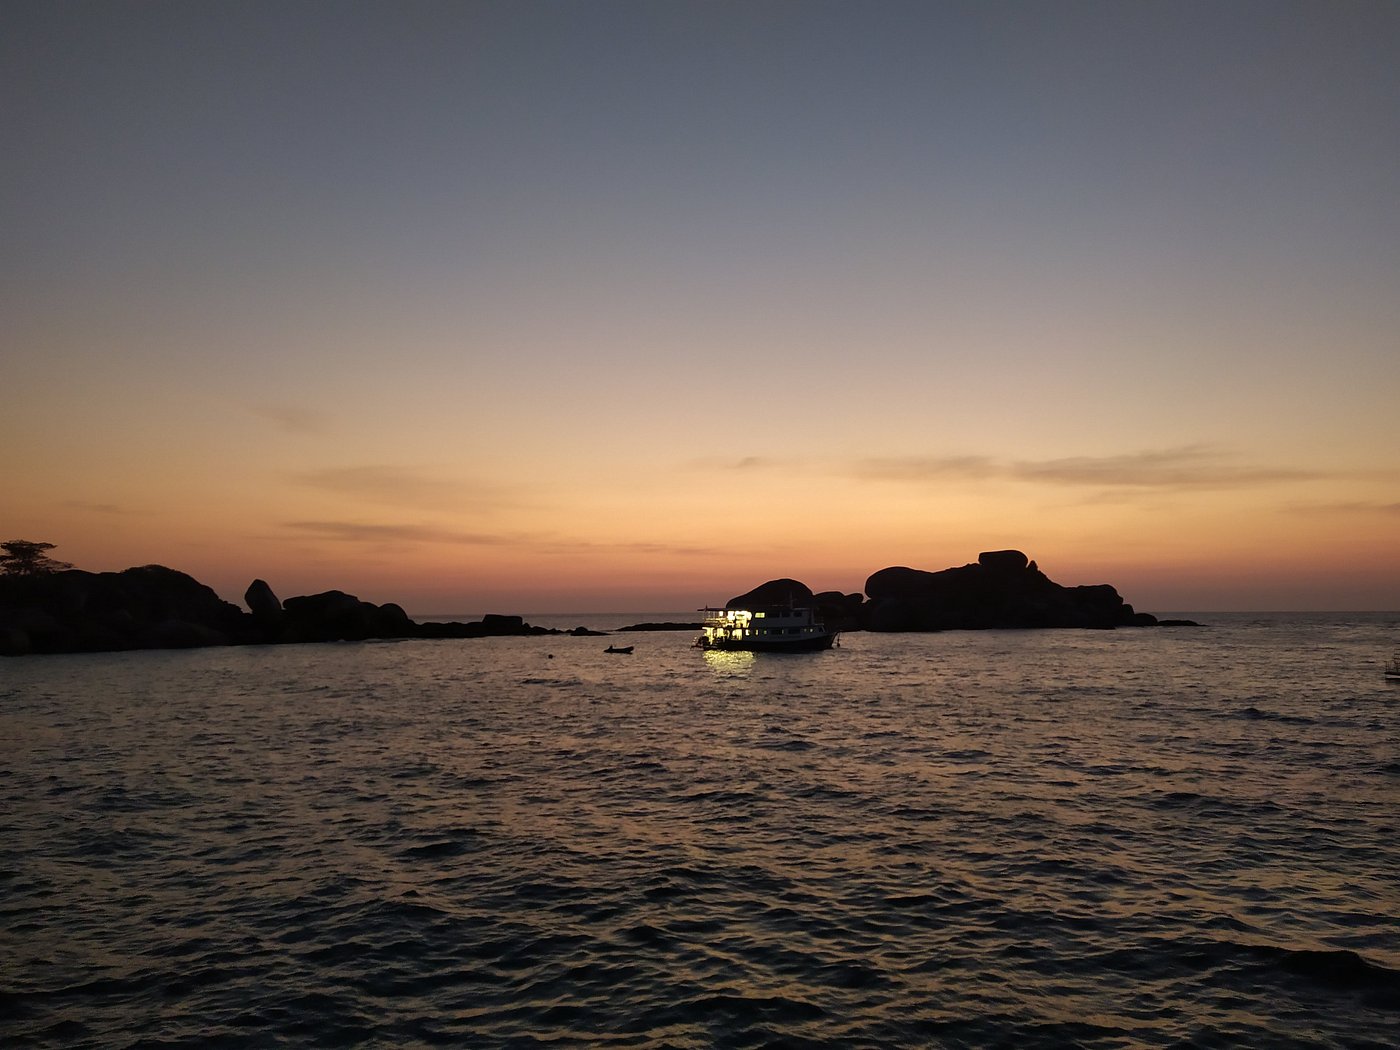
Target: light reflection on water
<point x="730" y="664"/>
<point x="1049" y="838"/>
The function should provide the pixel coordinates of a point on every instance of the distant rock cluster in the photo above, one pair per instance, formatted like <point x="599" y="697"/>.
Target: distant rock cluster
<point x="153" y="607"/>
<point x="1002" y="589"/>
<point x="158" y="608"/>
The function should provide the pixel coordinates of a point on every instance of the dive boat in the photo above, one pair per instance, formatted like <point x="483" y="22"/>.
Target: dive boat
<point x="768" y="630"/>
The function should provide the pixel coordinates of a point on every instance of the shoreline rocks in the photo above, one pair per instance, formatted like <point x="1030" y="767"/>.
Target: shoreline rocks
<point x="1001" y="590"/>
<point x="154" y="607"/>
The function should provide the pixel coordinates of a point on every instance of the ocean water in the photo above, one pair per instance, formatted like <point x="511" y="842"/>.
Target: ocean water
<point x="1139" y="838"/>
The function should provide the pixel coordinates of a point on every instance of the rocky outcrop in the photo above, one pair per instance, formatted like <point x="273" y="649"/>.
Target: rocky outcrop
<point x="334" y="616"/>
<point x="841" y="611"/>
<point x="151" y="607"/>
<point x="266" y="610"/>
<point x="773" y="594"/>
<point x="492" y="625"/>
<point x="158" y="608"/>
<point x="844" y="612"/>
<point x="154" y="607"/>
<point x="1001" y="589"/>
<point x="261" y="600"/>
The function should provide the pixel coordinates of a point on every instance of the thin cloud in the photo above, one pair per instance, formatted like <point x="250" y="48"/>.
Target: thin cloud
<point x="745" y="463"/>
<point x="566" y="546"/>
<point x="360" y="532"/>
<point x="1192" y="467"/>
<point x="1349" y="507"/>
<point x="292" y="419"/>
<point x="926" y="468"/>
<point x="380" y="532"/>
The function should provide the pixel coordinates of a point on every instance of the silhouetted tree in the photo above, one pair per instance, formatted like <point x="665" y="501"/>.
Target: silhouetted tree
<point x="27" y="558"/>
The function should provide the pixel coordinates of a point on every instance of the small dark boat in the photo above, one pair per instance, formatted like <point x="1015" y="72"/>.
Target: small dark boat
<point x="619" y="649"/>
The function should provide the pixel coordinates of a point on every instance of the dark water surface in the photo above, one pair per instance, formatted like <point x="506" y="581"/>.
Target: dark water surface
<point x="1139" y="838"/>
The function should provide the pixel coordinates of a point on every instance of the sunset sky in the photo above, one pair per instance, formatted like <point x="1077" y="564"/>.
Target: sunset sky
<point x="605" y="306"/>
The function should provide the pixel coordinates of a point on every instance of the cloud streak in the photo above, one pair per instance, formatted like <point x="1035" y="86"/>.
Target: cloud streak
<point x="565" y="546"/>
<point x="383" y="532"/>
<point x="378" y="533"/>
<point x="1181" y="469"/>
<point x="1188" y="468"/>
<point x="1352" y="507"/>
<point x="292" y="419"/>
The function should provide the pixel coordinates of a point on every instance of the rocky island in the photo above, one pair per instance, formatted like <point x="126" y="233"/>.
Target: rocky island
<point x="153" y="607"/>
<point x="1002" y="589"/>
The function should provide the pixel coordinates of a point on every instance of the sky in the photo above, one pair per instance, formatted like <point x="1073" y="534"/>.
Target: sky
<point x="594" y="306"/>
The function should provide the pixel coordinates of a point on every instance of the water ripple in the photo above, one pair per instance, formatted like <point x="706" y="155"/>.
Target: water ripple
<point x="1031" y="840"/>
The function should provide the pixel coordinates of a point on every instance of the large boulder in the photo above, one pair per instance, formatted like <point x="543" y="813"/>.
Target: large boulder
<point x="899" y="581"/>
<point x="151" y="607"/>
<point x="492" y="625"/>
<point x="266" y="610"/>
<point x="773" y="594"/>
<point x="1003" y="561"/>
<point x="1001" y="589"/>
<point x="842" y="612"/>
<point x="261" y="601"/>
<point x="334" y="616"/>
<point x="500" y="623"/>
<point x="390" y="621"/>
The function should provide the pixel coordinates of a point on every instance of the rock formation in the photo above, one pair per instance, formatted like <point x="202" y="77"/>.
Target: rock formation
<point x="773" y="594"/>
<point x="1001" y="589"/>
<point x="158" y="608"/>
<point x="151" y="607"/>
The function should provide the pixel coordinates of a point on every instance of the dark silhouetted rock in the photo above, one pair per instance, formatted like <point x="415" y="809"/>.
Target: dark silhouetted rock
<point x="1003" y="561"/>
<point x="330" y="616"/>
<point x="842" y="612"/>
<point x="492" y="625"/>
<point x="266" y="611"/>
<point x="334" y="616"/>
<point x="496" y="623"/>
<point x="890" y="614"/>
<point x="773" y="594"/>
<point x="839" y="611"/>
<point x="1002" y="589"/>
<point x="150" y="607"/>
<point x="153" y="607"/>
<point x="261" y="601"/>
<point x="390" y="621"/>
<point x="157" y="607"/>
<point x="181" y="634"/>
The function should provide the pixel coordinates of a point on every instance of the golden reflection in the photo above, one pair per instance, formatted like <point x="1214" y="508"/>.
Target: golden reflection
<point x="729" y="663"/>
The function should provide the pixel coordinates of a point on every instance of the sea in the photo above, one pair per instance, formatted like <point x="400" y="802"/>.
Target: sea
<point x="1170" y="837"/>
